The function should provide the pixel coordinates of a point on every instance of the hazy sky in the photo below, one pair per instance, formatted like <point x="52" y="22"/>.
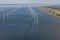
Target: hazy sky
<point x="29" y="1"/>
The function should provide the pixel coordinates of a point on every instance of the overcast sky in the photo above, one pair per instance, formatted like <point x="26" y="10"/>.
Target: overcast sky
<point x="29" y="1"/>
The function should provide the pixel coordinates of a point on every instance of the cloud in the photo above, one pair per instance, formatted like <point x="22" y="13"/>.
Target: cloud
<point x="29" y="1"/>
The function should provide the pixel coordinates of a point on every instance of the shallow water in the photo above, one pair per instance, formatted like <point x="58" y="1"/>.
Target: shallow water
<point x="27" y="23"/>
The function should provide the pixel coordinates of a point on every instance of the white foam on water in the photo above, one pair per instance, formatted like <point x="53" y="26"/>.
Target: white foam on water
<point x="34" y="15"/>
<point x="3" y="18"/>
